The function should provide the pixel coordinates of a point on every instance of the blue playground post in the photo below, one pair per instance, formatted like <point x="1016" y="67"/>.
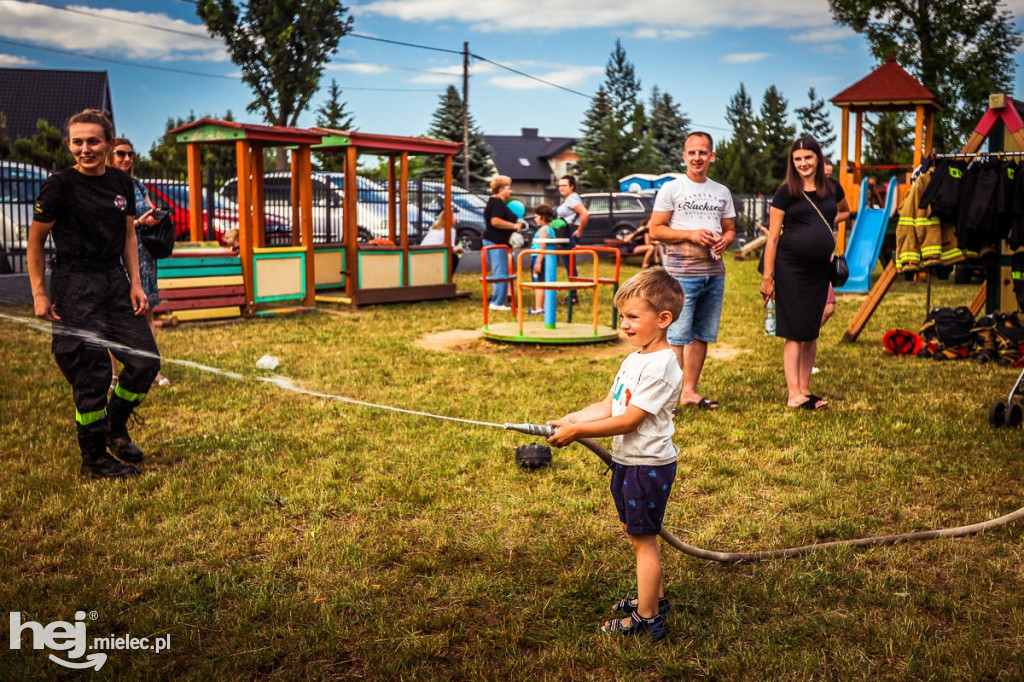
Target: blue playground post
<point x="550" y="296"/>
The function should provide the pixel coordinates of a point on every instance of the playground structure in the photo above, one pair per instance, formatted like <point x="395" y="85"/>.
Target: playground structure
<point x="997" y="291"/>
<point x="549" y="331"/>
<point x="345" y="271"/>
<point x="865" y="241"/>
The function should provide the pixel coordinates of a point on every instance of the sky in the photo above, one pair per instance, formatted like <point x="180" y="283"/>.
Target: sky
<point x="697" y="51"/>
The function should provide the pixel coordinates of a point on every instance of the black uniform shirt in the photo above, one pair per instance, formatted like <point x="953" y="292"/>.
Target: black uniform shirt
<point x="89" y="214"/>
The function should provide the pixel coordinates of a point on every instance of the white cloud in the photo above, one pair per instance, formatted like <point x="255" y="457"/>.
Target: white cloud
<point x="744" y="57"/>
<point x="365" y="68"/>
<point x="827" y="34"/>
<point x="663" y="34"/>
<point x="10" y="60"/>
<point x="567" y="77"/>
<point x="50" y="27"/>
<point x="659" y="15"/>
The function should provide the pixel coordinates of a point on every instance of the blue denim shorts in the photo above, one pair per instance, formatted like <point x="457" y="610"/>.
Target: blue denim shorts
<point x="641" y="495"/>
<point x="702" y="310"/>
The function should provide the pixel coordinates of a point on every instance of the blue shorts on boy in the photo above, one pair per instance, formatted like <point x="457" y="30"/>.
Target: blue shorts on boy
<point x="651" y="382"/>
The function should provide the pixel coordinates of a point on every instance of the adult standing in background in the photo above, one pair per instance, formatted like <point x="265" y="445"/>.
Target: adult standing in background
<point x="575" y="215"/>
<point x="499" y="224"/>
<point x="122" y="157"/>
<point x="798" y="263"/>
<point x="695" y="217"/>
<point x="95" y="301"/>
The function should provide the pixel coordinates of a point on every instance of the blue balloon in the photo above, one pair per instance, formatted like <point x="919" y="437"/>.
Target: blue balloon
<point x="517" y="207"/>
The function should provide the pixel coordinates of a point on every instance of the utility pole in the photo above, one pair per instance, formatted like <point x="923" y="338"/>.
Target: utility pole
<point x="465" y="115"/>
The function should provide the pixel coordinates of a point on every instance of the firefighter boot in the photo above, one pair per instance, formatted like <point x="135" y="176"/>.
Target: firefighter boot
<point x="95" y="460"/>
<point x="118" y="440"/>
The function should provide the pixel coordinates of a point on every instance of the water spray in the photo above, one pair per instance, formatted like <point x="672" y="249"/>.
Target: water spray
<point x="546" y="431"/>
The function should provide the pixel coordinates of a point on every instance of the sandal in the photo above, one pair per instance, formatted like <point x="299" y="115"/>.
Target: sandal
<point x="813" y="403"/>
<point x="162" y="381"/>
<point x="703" y="404"/>
<point x="636" y="625"/>
<point x="628" y="606"/>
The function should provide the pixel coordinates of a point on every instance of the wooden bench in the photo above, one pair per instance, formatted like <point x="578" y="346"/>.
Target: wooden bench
<point x="200" y="283"/>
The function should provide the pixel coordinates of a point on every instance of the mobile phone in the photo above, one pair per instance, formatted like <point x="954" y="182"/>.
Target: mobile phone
<point x="159" y="213"/>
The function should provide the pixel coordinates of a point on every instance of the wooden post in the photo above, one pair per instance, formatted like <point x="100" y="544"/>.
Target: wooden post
<point x="304" y="164"/>
<point x="858" y="142"/>
<point x="403" y="217"/>
<point x="245" y="241"/>
<point x="295" y="200"/>
<point x="195" y="193"/>
<point x="392" y="198"/>
<point x="844" y="157"/>
<point x="259" y="208"/>
<point x="351" y="224"/>
<point x="447" y="212"/>
<point x="918" y="135"/>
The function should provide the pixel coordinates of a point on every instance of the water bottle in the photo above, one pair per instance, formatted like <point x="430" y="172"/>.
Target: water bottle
<point x="769" y="317"/>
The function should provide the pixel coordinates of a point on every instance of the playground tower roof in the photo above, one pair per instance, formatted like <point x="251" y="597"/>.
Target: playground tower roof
<point x="887" y="88"/>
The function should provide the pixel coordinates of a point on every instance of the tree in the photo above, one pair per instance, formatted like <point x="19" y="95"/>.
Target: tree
<point x="446" y="124"/>
<point x="45" y="149"/>
<point x="814" y="121"/>
<point x="332" y="114"/>
<point x="741" y="165"/>
<point x="614" y="138"/>
<point x="168" y="159"/>
<point x="890" y="140"/>
<point x="961" y="50"/>
<point x="776" y="137"/>
<point x="669" y="127"/>
<point x="281" y="47"/>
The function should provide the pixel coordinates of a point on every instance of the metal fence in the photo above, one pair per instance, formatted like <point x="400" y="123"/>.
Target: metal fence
<point x="612" y="213"/>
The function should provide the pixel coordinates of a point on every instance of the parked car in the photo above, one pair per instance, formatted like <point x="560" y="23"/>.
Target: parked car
<point x="328" y="195"/>
<point x="467" y="211"/>
<point x="173" y="196"/>
<point x="19" y="187"/>
<point x="614" y="215"/>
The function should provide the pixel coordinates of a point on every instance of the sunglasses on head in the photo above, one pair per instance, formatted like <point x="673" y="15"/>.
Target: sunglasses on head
<point x="120" y="153"/>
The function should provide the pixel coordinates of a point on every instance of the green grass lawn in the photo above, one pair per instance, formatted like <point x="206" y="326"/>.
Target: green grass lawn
<point x="276" y="535"/>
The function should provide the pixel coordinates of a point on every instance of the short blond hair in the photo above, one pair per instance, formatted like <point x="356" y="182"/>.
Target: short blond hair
<point x="657" y="288"/>
<point x="499" y="182"/>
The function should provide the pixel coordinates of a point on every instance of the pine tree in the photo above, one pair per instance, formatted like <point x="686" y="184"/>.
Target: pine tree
<point x="814" y="121"/>
<point x="890" y="140"/>
<point x="447" y="125"/>
<point x="776" y="137"/>
<point x="45" y="149"/>
<point x="741" y="164"/>
<point x="332" y="114"/>
<point x="669" y="127"/>
<point x="614" y="132"/>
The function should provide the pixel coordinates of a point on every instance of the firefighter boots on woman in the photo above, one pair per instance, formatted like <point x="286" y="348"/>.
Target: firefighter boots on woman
<point x="118" y="440"/>
<point x="95" y="460"/>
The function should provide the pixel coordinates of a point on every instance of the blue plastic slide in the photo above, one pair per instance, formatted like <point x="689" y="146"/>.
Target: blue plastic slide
<point x="864" y="242"/>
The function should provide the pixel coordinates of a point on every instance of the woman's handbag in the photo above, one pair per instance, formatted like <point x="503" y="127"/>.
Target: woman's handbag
<point x="158" y="239"/>
<point x="840" y="268"/>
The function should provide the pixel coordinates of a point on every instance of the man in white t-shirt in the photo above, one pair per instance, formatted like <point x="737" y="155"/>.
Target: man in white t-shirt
<point x="695" y="217"/>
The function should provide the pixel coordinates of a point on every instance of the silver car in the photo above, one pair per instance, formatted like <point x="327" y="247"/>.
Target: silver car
<point x="19" y="187"/>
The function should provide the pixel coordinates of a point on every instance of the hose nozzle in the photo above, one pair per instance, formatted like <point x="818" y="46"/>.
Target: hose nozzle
<point x="542" y="430"/>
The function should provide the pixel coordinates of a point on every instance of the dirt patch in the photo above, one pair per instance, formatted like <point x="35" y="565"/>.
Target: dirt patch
<point x="470" y="341"/>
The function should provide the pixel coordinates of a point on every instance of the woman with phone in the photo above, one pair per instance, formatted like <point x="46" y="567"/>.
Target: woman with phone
<point x="122" y="157"/>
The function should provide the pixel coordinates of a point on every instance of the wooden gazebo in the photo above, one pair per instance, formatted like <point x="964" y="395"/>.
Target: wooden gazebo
<point x="399" y="271"/>
<point x="887" y="88"/>
<point x="269" y="275"/>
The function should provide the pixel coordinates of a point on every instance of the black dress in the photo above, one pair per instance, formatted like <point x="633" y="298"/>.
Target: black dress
<point x="803" y="261"/>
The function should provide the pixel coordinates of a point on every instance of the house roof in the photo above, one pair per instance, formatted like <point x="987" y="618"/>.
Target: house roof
<point x="524" y="157"/>
<point x="887" y="87"/>
<point x="27" y="95"/>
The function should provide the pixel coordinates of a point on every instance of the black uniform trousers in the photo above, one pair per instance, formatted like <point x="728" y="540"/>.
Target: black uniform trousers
<point x="96" y="315"/>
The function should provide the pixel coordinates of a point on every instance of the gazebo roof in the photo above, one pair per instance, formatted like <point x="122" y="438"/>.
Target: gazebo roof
<point x="218" y="131"/>
<point x="889" y="87"/>
<point x="384" y="144"/>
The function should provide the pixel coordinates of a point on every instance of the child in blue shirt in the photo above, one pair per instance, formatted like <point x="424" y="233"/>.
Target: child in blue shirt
<point x="544" y="215"/>
<point x="638" y="413"/>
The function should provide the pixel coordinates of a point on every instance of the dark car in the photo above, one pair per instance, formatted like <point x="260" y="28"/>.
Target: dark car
<point x="614" y="215"/>
<point x="173" y="196"/>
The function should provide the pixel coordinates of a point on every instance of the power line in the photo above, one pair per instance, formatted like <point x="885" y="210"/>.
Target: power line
<point x="165" y="29"/>
<point x="119" y="62"/>
<point x="539" y="80"/>
<point x="402" y="43"/>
